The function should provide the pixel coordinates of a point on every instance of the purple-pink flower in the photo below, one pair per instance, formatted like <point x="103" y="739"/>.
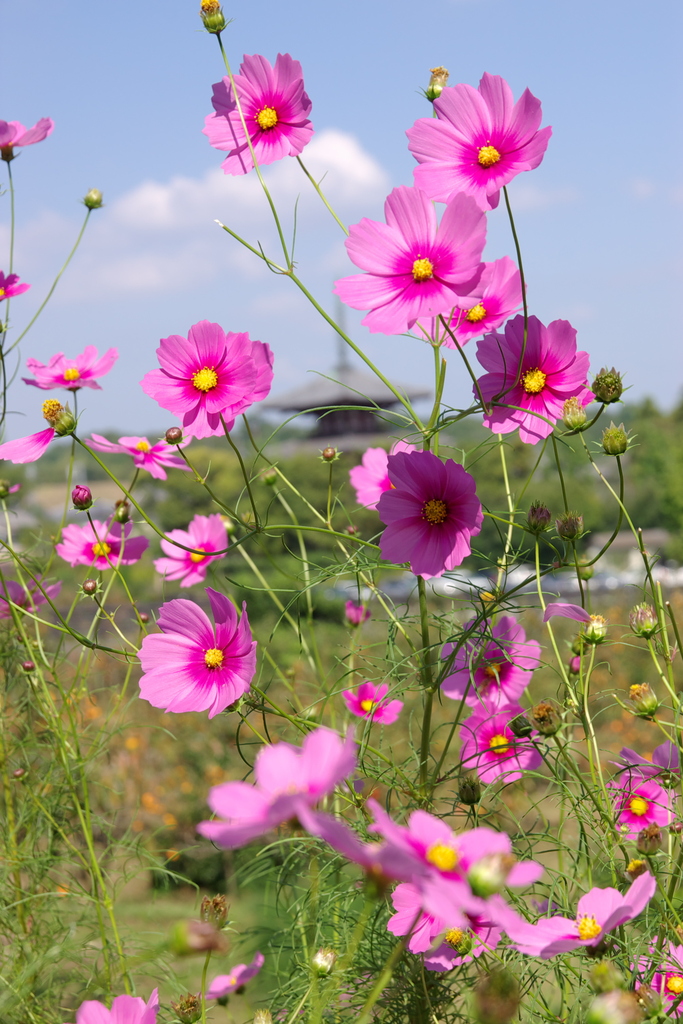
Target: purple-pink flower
<point x="209" y="377"/>
<point x="204" y="533"/>
<point x="368" y="702"/>
<point x="124" y="1010"/>
<point x="72" y="374"/>
<point x="490" y="747"/>
<point x="551" y="371"/>
<point x="151" y="457"/>
<point x="371" y="479"/>
<point x="101" y="545"/>
<point x="665" y="761"/>
<point x="275" y="109"/>
<point x="478" y="142"/>
<point x="9" y="286"/>
<point x="194" y="665"/>
<point x="356" y="614"/>
<point x="13" y="133"/>
<point x="668" y="979"/>
<point x="639" y="803"/>
<point x="29" y="598"/>
<point x="431" y="513"/>
<point x="413" y="267"/>
<point x="566" y="611"/>
<point x="289" y="781"/>
<point x="497" y="295"/>
<point x="493" y="666"/>
<point x="224" y="984"/>
<point x="28" y="449"/>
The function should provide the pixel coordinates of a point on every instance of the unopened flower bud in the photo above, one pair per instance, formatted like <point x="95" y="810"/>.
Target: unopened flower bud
<point x="59" y="417"/>
<point x="574" y="665"/>
<point x="614" y="1008"/>
<point x="469" y="791"/>
<point x="595" y="630"/>
<point x="635" y="868"/>
<point x="352" y="530"/>
<point x="496" y="997"/>
<point x="437" y="82"/>
<point x="144" y="617"/>
<point x="89" y="587"/>
<point x="18" y="773"/>
<point x="93" y="199"/>
<point x="643" y="620"/>
<point x="188" y="937"/>
<point x="173" y="435"/>
<point x="121" y="511"/>
<point x="649" y="840"/>
<point x="81" y="497"/>
<point x="356" y="614"/>
<point x="614" y="440"/>
<point x="28" y="666"/>
<point x="649" y="1000"/>
<point x="269" y="477"/>
<point x="585" y="572"/>
<point x="521" y="727"/>
<point x="214" y="909"/>
<point x="608" y="386"/>
<point x="459" y="940"/>
<point x="6" y="488"/>
<point x="573" y="414"/>
<point x="188" y="1009"/>
<point x="230" y="525"/>
<point x="324" y="960"/>
<point x="211" y="13"/>
<point x="545" y="718"/>
<point x="538" y="517"/>
<point x="676" y="827"/>
<point x="263" y="1017"/>
<point x="487" y="876"/>
<point x="569" y="525"/>
<point x="644" y="700"/>
<point x="329" y="454"/>
<point x="606" y="977"/>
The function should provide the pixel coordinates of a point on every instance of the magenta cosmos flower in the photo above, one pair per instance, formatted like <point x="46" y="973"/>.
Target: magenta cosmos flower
<point x="668" y="979"/>
<point x="193" y="665"/>
<point x="224" y="984"/>
<point x="368" y="702"/>
<point x="492" y="667"/>
<point x="101" y="545"/>
<point x="29" y="598"/>
<point x="480" y="140"/>
<point x="413" y="267"/>
<point x="551" y="371"/>
<point x="124" y="1010"/>
<point x="490" y="747"/>
<point x="151" y="457"/>
<point x="208" y="376"/>
<point x="600" y="911"/>
<point x="665" y="761"/>
<point x="205" y="533"/>
<point x="639" y="803"/>
<point x="497" y="295"/>
<point x="289" y="780"/>
<point x="275" y="109"/>
<point x="431" y="513"/>
<point x="13" y="133"/>
<point x="371" y="479"/>
<point x="10" y="286"/>
<point x="356" y="614"/>
<point x="28" y="449"/>
<point x="73" y="374"/>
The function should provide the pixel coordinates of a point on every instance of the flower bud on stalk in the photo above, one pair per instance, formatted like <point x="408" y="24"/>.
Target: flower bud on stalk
<point x="614" y="440"/>
<point x="6" y="488"/>
<point x="18" y="773"/>
<point x="608" y="386"/>
<point x="649" y="1000"/>
<point x="173" y="435"/>
<point x="121" y="511"/>
<point x="573" y="414"/>
<point x="269" y="477"/>
<point x="93" y="199"/>
<point x="496" y="997"/>
<point x="644" y="700"/>
<point x="188" y="937"/>
<point x="545" y="718"/>
<point x="488" y="875"/>
<point x="585" y="572"/>
<point x="329" y="454"/>
<point x="649" y="840"/>
<point x="538" y="517"/>
<point x="595" y="630"/>
<point x="606" y="977"/>
<point x="569" y="525"/>
<point x="263" y="1017"/>
<point x="462" y="942"/>
<point x="90" y="587"/>
<point x="188" y="1009"/>
<point x="469" y="791"/>
<point x="28" y="666"/>
<point x="81" y="497"/>
<point x="211" y="13"/>
<point x="614" y="1008"/>
<point x="521" y="727"/>
<point x="214" y="909"/>
<point x="643" y="620"/>
<point x="59" y="417"/>
<point x="574" y="666"/>
<point x="437" y="82"/>
<point x="324" y="960"/>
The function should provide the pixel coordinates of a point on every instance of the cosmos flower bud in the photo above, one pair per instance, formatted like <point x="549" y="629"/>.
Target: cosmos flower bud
<point x="89" y="587"/>
<point x="462" y="942"/>
<point x="538" y="517"/>
<point x="614" y="440"/>
<point x="173" y="435"/>
<point x="635" y="868"/>
<point x="121" y="511"/>
<point x="469" y="791"/>
<point x="211" y="13"/>
<point x="93" y="199"/>
<point x="28" y="666"/>
<point x="18" y="773"/>
<point x="585" y="572"/>
<point x="59" y="417"/>
<point x="356" y="613"/>
<point x="614" y="1008"/>
<point x="606" y="977"/>
<point x="573" y="414"/>
<point x="595" y="630"/>
<point x="188" y="937"/>
<point x="545" y="718"/>
<point x="144" y="617"/>
<point x="569" y="525"/>
<point x="329" y="454"/>
<point x="574" y="665"/>
<point x="649" y="1000"/>
<point x="496" y="997"/>
<point x="263" y="1017"/>
<point x="188" y="1009"/>
<point x="521" y="727"/>
<point x="438" y="80"/>
<point x="643" y="620"/>
<point x="269" y="477"/>
<point x="488" y="875"/>
<point x="644" y="700"/>
<point x="608" y="386"/>
<point x="230" y="525"/>
<point x="324" y="960"/>
<point x="214" y="909"/>
<point x="81" y="497"/>
<point x="6" y="488"/>
<point x="649" y="840"/>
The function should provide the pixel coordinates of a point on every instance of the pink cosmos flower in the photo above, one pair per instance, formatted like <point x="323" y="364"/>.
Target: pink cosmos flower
<point x="28" y="449"/>
<point x="15" y="593"/>
<point x="224" y="984"/>
<point x="275" y="109"/>
<point x="193" y="665"/>
<point x="665" y="761"/>
<point x="72" y="374"/>
<point x="480" y="140"/>
<point x="13" y="133"/>
<point x="600" y="911"/>
<point x="413" y="268"/>
<point x="209" y="375"/>
<point x="497" y="295"/>
<point x="493" y="667"/>
<point x="356" y="614"/>
<point x="668" y="979"/>
<point x="490" y="747"/>
<point x="368" y="702"/>
<point x="151" y="457"/>
<point x="124" y="1010"/>
<point x="431" y="513"/>
<point x="289" y="780"/>
<point x="371" y="479"/>
<point x="551" y="372"/>
<point x="9" y="286"/>
<point x="639" y="803"/>
<point x="205" y="533"/>
<point x="566" y="611"/>
<point x="101" y="545"/>
<point x="481" y="936"/>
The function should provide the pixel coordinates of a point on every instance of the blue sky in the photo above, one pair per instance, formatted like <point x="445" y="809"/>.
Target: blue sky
<point x="128" y="86"/>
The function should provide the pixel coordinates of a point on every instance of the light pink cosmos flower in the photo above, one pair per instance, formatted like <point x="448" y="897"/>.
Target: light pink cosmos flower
<point x="371" y="479"/>
<point x="124" y="1010"/>
<point x="28" y="449"/>
<point x="551" y="372"/>
<point x="72" y="374"/>
<point x="493" y="667"/>
<point x="497" y="295"/>
<point x="13" y="133"/>
<point x="205" y="533"/>
<point x="413" y="267"/>
<point x="193" y="665"/>
<point x="368" y="702"/>
<point x="356" y="614"/>
<point x="224" y="984"/>
<point x="100" y="545"/>
<point x="566" y="611"/>
<point x="9" y="286"/>
<point x="480" y="140"/>
<point x="668" y="979"/>
<point x="15" y="593"/>
<point x="431" y="513"/>
<point x="639" y="803"/>
<point x="209" y="375"/>
<point x="275" y="109"/>
<point x="490" y="747"/>
<point x="289" y="781"/>
<point x="151" y="457"/>
<point x="600" y="911"/>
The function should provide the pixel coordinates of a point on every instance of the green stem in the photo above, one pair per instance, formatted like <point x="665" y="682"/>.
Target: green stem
<point x="318" y="189"/>
<point x="205" y="969"/>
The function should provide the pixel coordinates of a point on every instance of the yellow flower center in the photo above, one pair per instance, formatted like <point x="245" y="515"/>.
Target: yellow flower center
<point x="196" y="557"/>
<point x="638" y="806"/>
<point x="423" y="269"/>
<point x="367" y="705"/>
<point x="266" y="118"/>
<point x="533" y="381"/>
<point x="210" y="6"/>
<point x="2" y="293"/>
<point x="205" y="379"/>
<point x="488" y="156"/>
<point x="635" y="866"/>
<point x="435" y="511"/>
<point x="492" y="670"/>
<point x="142" y="446"/>
<point x="475" y="314"/>
<point x="100" y="549"/>
<point x="454" y="937"/>
<point x="442" y="857"/>
<point x="674" y="983"/>
<point x="499" y="744"/>
<point x="213" y="658"/>
<point x="72" y="373"/>
<point x="52" y="410"/>
<point x="588" y="928"/>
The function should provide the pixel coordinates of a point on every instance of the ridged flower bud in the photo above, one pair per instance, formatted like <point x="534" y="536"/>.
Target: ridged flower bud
<point x="81" y="497"/>
<point x="614" y="1008"/>
<point x="644" y="700"/>
<point x="59" y="416"/>
<point x="469" y="791"/>
<point x="188" y="1009"/>
<point x="608" y="386"/>
<point x="263" y="1017"/>
<point x="545" y="718"/>
<point x="488" y="875"/>
<point x="573" y="414"/>
<point x="439" y="78"/>
<point x="211" y="13"/>
<point x="649" y="1000"/>
<point x="521" y="727"/>
<point x="459" y="940"/>
<point x="574" y="665"/>
<point x="269" y="477"/>
<point x="614" y="440"/>
<point x="173" y="435"/>
<point x="538" y="517"/>
<point x="595" y="630"/>
<point x="496" y="997"/>
<point x="188" y="937"/>
<point x="214" y="909"/>
<point x="329" y="454"/>
<point x="569" y="525"/>
<point x="606" y="977"/>
<point x="649" y="840"/>
<point x="93" y="199"/>
<point x="122" y="511"/>
<point x="324" y="960"/>
<point x="643" y="620"/>
<point x="90" y="587"/>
